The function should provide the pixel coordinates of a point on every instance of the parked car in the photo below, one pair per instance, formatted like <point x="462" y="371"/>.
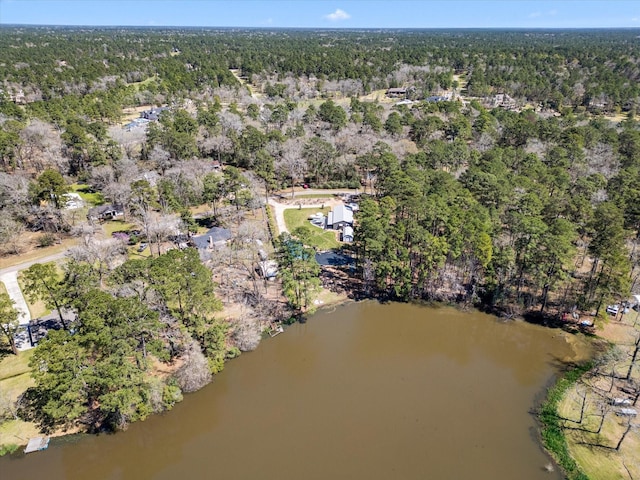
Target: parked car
<point x="613" y="309"/>
<point x="142" y="247"/>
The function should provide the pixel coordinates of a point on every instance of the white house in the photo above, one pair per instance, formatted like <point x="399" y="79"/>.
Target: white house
<point x="340" y="217"/>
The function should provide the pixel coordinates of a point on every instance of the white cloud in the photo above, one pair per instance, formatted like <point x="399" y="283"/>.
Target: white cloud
<point x="553" y="12"/>
<point x="635" y="19"/>
<point x="534" y="14"/>
<point x="338" y="15"/>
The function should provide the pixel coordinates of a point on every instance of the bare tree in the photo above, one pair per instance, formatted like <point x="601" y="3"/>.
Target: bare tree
<point x="102" y="255"/>
<point x="231" y="122"/>
<point x="160" y="158"/>
<point x="11" y="233"/>
<point x="246" y="333"/>
<point x="130" y="141"/>
<point x="40" y="146"/>
<point x="126" y="170"/>
<point x="102" y="176"/>
<point x="159" y="227"/>
<point x="218" y="144"/>
<point x="14" y="195"/>
<point x="628" y="428"/>
<point x="292" y="164"/>
<point x="634" y="356"/>
<point x="194" y="372"/>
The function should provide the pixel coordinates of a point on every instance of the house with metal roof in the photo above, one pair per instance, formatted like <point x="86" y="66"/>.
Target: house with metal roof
<point x="339" y="217"/>
<point x="347" y="234"/>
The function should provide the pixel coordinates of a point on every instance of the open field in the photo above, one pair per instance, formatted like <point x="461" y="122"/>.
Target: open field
<point x="15" y="378"/>
<point x="596" y="452"/>
<point x="321" y="239"/>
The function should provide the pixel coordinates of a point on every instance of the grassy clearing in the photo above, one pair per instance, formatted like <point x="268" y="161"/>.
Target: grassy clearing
<point x="321" y="239"/>
<point x="13" y="365"/>
<point x="38" y="308"/>
<point x="135" y="254"/>
<point x="115" y="226"/>
<point x="596" y="462"/>
<point x="88" y="196"/>
<point x="3" y="289"/>
<point x="599" y="463"/>
<point x="16" y="432"/>
<point x="15" y="378"/>
<point x="326" y="298"/>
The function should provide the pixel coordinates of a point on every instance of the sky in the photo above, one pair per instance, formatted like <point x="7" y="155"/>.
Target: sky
<point x="326" y="13"/>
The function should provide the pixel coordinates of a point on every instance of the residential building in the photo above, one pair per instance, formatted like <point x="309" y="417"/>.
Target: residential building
<point x="339" y="217"/>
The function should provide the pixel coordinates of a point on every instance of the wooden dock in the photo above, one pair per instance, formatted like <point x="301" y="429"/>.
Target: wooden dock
<point x="37" y="444"/>
<point x="275" y="329"/>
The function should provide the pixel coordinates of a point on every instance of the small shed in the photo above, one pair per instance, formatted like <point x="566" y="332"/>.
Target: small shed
<point x="347" y="234"/>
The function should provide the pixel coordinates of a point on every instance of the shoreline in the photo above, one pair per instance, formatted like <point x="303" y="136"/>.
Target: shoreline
<point x="330" y="301"/>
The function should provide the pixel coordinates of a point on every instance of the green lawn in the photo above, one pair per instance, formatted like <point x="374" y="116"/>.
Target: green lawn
<point x="15" y="378"/>
<point x="37" y="309"/>
<point x="89" y="197"/>
<point x="321" y="239"/>
<point x="15" y="365"/>
<point x="115" y="226"/>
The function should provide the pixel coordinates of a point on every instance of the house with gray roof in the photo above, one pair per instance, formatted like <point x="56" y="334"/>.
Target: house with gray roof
<point x="105" y="212"/>
<point x="340" y="217"/>
<point x="214" y="238"/>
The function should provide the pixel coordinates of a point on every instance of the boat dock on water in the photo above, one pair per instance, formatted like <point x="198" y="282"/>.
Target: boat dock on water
<point x="37" y="444"/>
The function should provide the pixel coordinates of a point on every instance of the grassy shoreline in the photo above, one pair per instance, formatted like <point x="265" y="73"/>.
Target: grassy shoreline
<point x="552" y="433"/>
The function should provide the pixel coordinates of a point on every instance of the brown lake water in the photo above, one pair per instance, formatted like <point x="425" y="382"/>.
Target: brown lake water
<point x="366" y="391"/>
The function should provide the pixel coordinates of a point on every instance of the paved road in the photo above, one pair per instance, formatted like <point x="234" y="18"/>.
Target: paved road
<point x="10" y="280"/>
<point x="316" y="191"/>
<point x="25" y="265"/>
<point x="9" y="276"/>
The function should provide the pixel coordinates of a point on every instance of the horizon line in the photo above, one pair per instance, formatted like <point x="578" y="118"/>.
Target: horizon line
<point x="30" y="25"/>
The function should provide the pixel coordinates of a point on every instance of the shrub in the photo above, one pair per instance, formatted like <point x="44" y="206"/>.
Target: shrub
<point x="8" y="448"/>
<point x="46" y="240"/>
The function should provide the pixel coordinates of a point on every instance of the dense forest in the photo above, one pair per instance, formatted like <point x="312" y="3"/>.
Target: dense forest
<point x="530" y="206"/>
